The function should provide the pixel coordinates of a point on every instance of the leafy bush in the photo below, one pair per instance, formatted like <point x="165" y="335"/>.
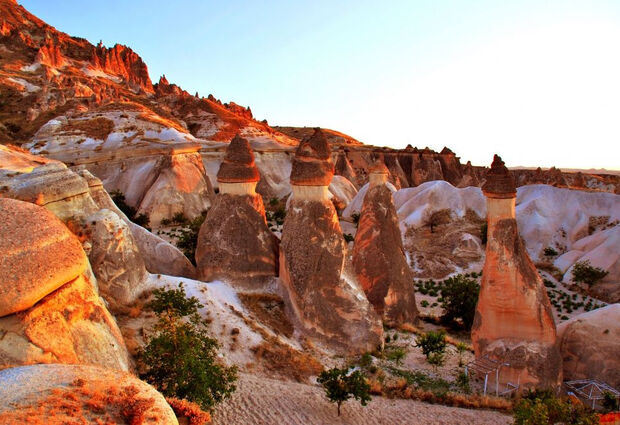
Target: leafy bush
<point x="340" y="385"/>
<point x="187" y="239"/>
<point x="424" y="303"/>
<point x="348" y="237"/>
<point x="131" y="213"/>
<point x="395" y="354"/>
<point x="543" y="408"/>
<point x="460" y="296"/>
<point x="550" y="252"/>
<point x="610" y="402"/>
<point x="433" y="344"/>
<point x="356" y="218"/>
<point x="584" y="272"/>
<point x="180" y="359"/>
<point x="462" y="381"/>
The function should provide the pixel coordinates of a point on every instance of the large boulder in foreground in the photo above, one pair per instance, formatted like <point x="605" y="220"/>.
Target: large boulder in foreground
<point x="63" y="320"/>
<point x="379" y="258"/>
<point x="590" y="346"/>
<point x="56" y="394"/>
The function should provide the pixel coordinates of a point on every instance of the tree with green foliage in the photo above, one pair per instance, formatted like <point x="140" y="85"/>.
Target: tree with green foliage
<point x="342" y="384"/>
<point x="459" y="296"/>
<point x="542" y="407"/>
<point x="180" y="359"/>
<point x="584" y="272"/>
<point x="187" y="240"/>
<point x="433" y="344"/>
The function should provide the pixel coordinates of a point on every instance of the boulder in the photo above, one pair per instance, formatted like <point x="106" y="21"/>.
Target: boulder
<point x="55" y="394"/>
<point x="51" y="309"/>
<point x="590" y="346"/>
<point x="38" y="255"/>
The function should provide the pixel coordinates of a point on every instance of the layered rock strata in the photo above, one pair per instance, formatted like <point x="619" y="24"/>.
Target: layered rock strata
<point x="514" y="322"/>
<point x="378" y="255"/>
<point x="328" y="303"/>
<point x="234" y="242"/>
<point x="50" y="311"/>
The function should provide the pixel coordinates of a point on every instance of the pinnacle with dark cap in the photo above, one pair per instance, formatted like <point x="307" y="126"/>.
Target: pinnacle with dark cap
<point x="238" y="165"/>
<point x="499" y="179"/>
<point x="312" y="165"/>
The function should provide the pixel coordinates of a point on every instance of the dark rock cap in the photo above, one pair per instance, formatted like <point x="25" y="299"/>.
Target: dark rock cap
<point x="499" y="181"/>
<point x="378" y="167"/>
<point x="238" y="165"/>
<point x="312" y="165"/>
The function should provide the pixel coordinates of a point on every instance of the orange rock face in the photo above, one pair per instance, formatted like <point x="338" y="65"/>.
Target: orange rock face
<point x="38" y="254"/>
<point x="514" y="322"/>
<point x="379" y="259"/>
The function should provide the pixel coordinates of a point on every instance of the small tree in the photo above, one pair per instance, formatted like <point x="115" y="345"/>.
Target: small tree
<point x="433" y="346"/>
<point x="340" y="385"/>
<point x="459" y="298"/>
<point x="584" y="272"/>
<point x="180" y="360"/>
<point x="461" y="348"/>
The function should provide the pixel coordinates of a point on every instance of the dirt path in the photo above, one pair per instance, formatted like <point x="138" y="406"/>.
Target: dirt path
<point x="262" y="401"/>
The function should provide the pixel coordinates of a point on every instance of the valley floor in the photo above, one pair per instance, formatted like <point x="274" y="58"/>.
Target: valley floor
<point x="266" y="401"/>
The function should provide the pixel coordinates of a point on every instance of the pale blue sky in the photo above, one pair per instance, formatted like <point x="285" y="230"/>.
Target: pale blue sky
<point x="536" y="81"/>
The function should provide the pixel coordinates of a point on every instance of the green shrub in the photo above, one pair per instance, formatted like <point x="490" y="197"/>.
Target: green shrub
<point x="119" y="199"/>
<point x="187" y="238"/>
<point x="462" y="381"/>
<point x="460" y="296"/>
<point x="550" y="252"/>
<point x="543" y="408"/>
<point x="433" y="344"/>
<point x="610" y="402"/>
<point x="180" y="359"/>
<point x="340" y="385"/>
<point x="584" y="272"/>
<point x="396" y="354"/>
<point x="356" y="218"/>
<point x="348" y="237"/>
<point x="424" y="303"/>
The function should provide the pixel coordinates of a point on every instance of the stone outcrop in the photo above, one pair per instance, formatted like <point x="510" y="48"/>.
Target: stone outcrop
<point x="55" y="394"/>
<point x="590" y="344"/>
<point x="234" y="242"/>
<point x="51" y="312"/>
<point x="115" y="258"/>
<point x="327" y="303"/>
<point x="160" y="256"/>
<point x="378" y="255"/>
<point x="514" y="321"/>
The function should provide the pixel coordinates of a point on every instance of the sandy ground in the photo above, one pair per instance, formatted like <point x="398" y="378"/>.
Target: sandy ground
<point x="263" y="401"/>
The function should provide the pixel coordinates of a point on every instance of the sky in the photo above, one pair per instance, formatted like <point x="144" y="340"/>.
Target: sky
<point x="536" y="81"/>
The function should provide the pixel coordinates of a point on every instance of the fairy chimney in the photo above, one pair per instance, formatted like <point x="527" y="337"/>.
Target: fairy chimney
<point x="326" y="302"/>
<point x="234" y="242"/>
<point x="514" y="322"/>
<point x="378" y="256"/>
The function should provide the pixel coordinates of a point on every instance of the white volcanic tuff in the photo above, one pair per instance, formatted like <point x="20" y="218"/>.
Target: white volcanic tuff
<point x="343" y="189"/>
<point x="601" y="249"/>
<point x="546" y="216"/>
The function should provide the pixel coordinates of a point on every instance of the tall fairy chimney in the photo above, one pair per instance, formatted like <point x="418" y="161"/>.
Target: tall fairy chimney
<point x="514" y="322"/>
<point x="328" y="304"/>
<point x="234" y="242"/>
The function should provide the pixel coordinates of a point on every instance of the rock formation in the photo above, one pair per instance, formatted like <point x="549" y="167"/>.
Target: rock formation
<point x="160" y="256"/>
<point x="514" y="321"/>
<point x="329" y="304"/>
<point x="234" y="242"/>
<point x="115" y="258"/>
<point x="55" y="394"/>
<point x="590" y="344"/>
<point x="50" y="311"/>
<point x="378" y="256"/>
